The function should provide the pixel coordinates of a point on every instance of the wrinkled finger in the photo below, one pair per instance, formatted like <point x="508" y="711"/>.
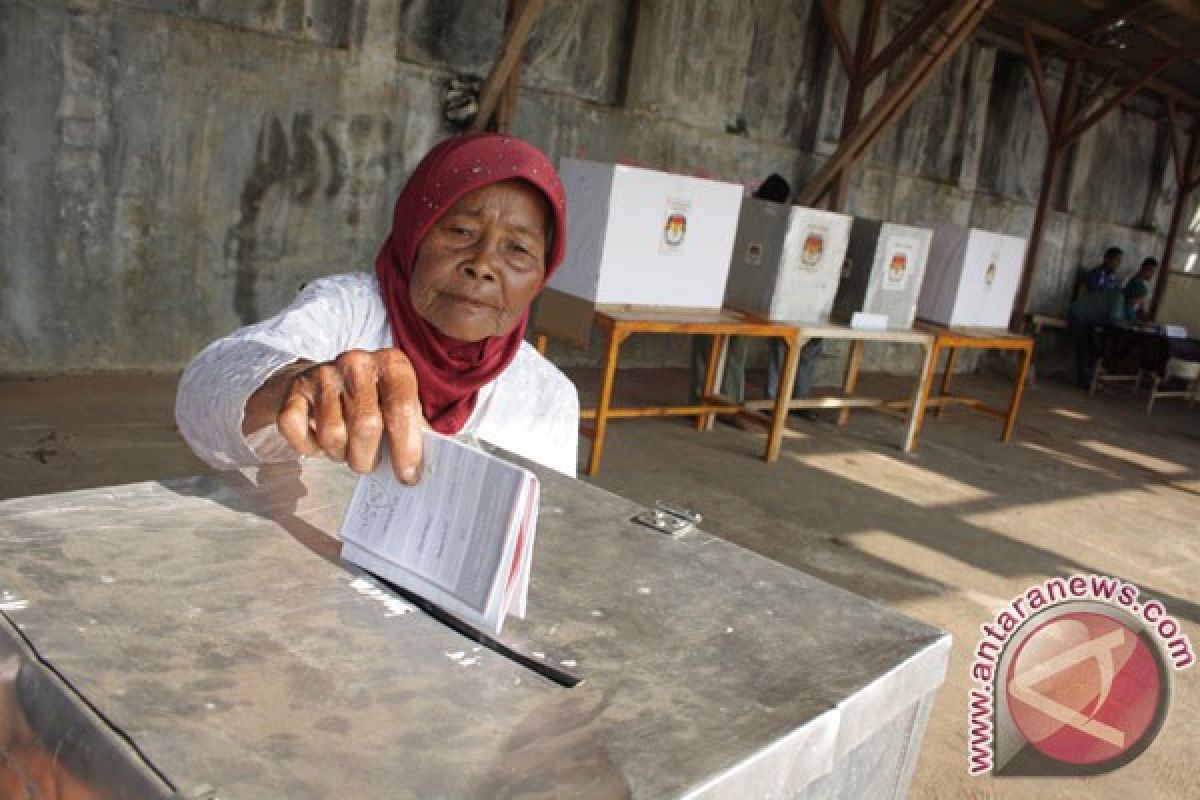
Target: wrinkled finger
<point x="364" y="420"/>
<point x="294" y="418"/>
<point x="400" y="405"/>
<point x="331" y="424"/>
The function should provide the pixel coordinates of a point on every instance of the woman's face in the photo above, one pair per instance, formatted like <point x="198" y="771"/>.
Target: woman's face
<point x="481" y="264"/>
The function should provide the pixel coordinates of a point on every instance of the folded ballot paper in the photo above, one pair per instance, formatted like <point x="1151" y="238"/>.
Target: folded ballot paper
<point x="462" y="538"/>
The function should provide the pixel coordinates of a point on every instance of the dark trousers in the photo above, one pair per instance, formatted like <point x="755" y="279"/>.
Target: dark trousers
<point x="806" y="368"/>
<point x="733" y="383"/>
<point x="1087" y="351"/>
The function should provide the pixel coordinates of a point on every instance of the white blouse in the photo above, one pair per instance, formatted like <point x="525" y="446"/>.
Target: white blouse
<point x="531" y="409"/>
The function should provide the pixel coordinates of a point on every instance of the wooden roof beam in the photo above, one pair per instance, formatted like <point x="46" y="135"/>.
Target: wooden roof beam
<point x="1187" y="9"/>
<point x="1097" y="55"/>
<point x="511" y="50"/>
<point x="1107" y="17"/>
<point x="1078" y="128"/>
<point x="834" y="23"/>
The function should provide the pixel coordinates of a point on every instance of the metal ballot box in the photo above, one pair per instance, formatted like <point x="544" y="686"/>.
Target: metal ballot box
<point x="787" y="261"/>
<point x="885" y="264"/>
<point x="971" y="278"/>
<point x="210" y="629"/>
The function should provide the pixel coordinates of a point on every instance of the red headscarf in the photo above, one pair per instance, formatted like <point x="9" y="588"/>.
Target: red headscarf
<point x="450" y="372"/>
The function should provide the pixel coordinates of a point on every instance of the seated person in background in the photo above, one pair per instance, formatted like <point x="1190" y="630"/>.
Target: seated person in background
<point x="435" y="338"/>
<point x="1107" y="307"/>
<point x="1104" y="275"/>
<point x="1137" y="289"/>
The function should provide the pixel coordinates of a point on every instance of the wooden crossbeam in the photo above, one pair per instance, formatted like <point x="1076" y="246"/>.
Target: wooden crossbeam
<point x="840" y="40"/>
<point x="1106" y="17"/>
<point x="511" y="49"/>
<point x="952" y="29"/>
<point x="1039" y="79"/>
<point x="917" y="24"/>
<point x="1080" y="126"/>
<point x="1188" y="9"/>
<point x="1177" y="155"/>
<point x="1096" y="55"/>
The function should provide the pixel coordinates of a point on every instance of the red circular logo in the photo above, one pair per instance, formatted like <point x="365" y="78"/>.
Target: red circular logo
<point x="1084" y="688"/>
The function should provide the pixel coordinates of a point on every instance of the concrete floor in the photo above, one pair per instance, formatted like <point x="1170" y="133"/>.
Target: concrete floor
<point x="1089" y="485"/>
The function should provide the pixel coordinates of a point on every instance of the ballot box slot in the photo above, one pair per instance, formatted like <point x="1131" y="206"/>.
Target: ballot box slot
<point x="547" y="671"/>
<point x="47" y="726"/>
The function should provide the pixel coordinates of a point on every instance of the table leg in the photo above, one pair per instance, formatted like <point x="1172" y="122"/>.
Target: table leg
<point x="616" y="336"/>
<point x="1010" y="420"/>
<point x="916" y="409"/>
<point x="935" y="352"/>
<point x="850" y="382"/>
<point x="712" y="377"/>
<point x="787" y="382"/>
<point x="951" y="357"/>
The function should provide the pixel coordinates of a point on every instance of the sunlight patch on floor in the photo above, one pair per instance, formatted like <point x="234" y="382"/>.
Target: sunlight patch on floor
<point x="1134" y="458"/>
<point x="1078" y="416"/>
<point x="900" y="479"/>
<point x="1065" y="458"/>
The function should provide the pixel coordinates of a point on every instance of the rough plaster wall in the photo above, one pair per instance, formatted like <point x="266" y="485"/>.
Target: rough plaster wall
<point x="172" y="168"/>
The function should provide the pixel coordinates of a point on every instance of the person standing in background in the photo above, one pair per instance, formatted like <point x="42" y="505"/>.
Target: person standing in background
<point x="773" y="189"/>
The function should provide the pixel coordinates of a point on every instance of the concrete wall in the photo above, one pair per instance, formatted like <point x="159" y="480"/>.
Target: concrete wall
<point x="170" y="169"/>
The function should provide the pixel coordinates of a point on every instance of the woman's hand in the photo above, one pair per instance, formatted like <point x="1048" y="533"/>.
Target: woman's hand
<point x="345" y="409"/>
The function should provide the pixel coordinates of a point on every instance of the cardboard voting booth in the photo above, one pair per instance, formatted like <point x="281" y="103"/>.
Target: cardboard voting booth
<point x="638" y="237"/>
<point x="971" y="278"/>
<point x="885" y="265"/>
<point x="787" y="261"/>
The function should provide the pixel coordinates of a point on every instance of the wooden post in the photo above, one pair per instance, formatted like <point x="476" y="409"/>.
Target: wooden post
<point x="513" y="46"/>
<point x="952" y="29"/>
<point x="856" y="91"/>
<point x="1063" y="128"/>
<point x="1055" y="149"/>
<point x="1186" y="181"/>
<point x="506" y="108"/>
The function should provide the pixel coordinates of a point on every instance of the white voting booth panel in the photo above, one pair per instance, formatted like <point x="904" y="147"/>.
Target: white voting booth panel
<point x="971" y="277"/>
<point x="641" y="237"/>
<point x="787" y="261"/>
<point x="885" y="266"/>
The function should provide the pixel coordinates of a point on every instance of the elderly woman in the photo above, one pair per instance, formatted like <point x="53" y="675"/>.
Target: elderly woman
<point x="435" y="338"/>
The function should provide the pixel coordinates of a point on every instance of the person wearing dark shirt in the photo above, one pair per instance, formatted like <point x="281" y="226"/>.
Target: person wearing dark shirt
<point x="1104" y="275"/>
<point x="1138" y="289"/>
<point x="1106" y="307"/>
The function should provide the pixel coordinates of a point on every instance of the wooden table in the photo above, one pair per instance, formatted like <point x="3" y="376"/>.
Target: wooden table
<point x="847" y="401"/>
<point x="953" y="339"/>
<point x="619" y="324"/>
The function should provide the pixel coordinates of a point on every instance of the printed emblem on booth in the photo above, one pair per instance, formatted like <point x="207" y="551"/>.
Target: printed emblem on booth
<point x="989" y="276"/>
<point x="675" y="225"/>
<point x="814" y="248"/>
<point x="899" y="263"/>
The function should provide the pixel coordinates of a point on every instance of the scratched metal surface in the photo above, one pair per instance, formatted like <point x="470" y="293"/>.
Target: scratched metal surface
<point x="210" y="620"/>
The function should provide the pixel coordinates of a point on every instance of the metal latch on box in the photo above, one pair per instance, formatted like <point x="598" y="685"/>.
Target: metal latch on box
<point x="669" y="518"/>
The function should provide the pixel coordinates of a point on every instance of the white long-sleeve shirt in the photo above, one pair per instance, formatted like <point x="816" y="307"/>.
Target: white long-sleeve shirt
<point x="531" y="409"/>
